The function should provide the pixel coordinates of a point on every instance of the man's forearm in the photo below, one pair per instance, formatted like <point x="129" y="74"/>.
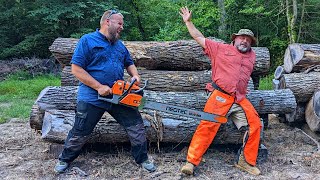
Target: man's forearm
<point x="132" y="70"/>
<point x="194" y="32"/>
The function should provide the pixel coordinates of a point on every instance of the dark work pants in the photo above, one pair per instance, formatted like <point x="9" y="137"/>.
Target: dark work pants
<point x="87" y="116"/>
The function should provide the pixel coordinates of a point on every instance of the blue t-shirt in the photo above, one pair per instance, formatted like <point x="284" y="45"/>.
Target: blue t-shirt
<point x="104" y="61"/>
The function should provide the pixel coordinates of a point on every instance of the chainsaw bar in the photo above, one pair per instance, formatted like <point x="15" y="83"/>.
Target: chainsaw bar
<point x="172" y="109"/>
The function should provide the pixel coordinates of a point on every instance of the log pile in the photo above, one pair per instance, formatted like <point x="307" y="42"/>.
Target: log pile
<point x="177" y="72"/>
<point x="183" y="55"/>
<point x="301" y="74"/>
<point x="53" y="113"/>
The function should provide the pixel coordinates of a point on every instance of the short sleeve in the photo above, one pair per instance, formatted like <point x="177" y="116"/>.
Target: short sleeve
<point x="128" y="61"/>
<point x="81" y="53"/>
<point x="211" y="48"/>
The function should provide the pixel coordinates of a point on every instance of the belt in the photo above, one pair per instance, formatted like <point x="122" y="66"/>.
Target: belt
<point x="215" y="86"/>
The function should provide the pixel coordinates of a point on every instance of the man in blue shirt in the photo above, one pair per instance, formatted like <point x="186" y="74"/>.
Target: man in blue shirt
<point x="98" y="61"/>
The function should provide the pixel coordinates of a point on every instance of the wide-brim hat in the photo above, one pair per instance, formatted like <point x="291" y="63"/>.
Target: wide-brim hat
<point x="245" y="32"/>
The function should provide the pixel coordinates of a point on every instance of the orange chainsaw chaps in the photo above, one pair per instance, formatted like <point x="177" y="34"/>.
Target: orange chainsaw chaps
<point x="252" y="141"/>
<point x="206" y="131"/>
<point x="120" y="86"/>
<point x="218" y="103"/>
<point x="133" y="100"/>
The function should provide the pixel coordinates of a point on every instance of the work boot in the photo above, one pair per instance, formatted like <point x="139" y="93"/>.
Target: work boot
<point x="243" y="165"/>
<point x="187" y="168"/>
<point x="149" y="166"/>
<point x="61" y="167"/>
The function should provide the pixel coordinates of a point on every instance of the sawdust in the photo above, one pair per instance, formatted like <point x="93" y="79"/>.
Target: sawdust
<point x="24" y="155"/>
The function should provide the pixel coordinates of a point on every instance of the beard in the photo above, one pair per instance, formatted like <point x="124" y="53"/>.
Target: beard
<point x="243" y="48"/>
<point x="113" y="35"/>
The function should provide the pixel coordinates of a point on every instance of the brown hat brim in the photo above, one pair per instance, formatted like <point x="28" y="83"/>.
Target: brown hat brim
<point x="234" y="35"/>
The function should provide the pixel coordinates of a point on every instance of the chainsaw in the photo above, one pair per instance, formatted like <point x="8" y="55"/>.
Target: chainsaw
<point x="129" y="94"/>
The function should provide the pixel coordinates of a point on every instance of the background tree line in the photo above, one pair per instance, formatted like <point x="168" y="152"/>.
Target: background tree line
<point x="28" y="27"/>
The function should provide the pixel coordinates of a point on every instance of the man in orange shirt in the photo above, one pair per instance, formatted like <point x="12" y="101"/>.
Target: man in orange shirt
<point x="231" y="65"/>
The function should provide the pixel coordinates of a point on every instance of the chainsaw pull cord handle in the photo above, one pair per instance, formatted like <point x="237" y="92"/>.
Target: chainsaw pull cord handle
<point x="141" y="89"/>
<point x="129" y="88"/>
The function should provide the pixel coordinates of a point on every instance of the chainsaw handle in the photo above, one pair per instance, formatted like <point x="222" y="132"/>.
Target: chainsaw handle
<point x="141" y="89"/>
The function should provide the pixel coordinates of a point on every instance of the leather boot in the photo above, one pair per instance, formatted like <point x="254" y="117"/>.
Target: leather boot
<point x="187" y="168"/>
<point x="243" y="165"/>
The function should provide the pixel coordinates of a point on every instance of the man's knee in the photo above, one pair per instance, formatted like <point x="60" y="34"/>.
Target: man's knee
<point x="136" y="134"/>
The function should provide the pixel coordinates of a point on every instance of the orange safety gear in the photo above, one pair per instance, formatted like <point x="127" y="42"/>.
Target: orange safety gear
<point x="220" y="103"/>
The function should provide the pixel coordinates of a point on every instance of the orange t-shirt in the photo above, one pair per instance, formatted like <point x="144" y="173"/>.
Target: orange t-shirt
<point x="231" y="69"/>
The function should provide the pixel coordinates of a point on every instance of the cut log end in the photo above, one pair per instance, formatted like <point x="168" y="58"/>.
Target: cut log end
<point x="279" y="72"/>
<point x="312" y="112"/>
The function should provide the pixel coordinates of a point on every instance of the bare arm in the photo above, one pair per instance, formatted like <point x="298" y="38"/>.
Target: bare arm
<point x="133" y="72"/>
<point x="194" y="32"/>
<point x="88" y="80"/>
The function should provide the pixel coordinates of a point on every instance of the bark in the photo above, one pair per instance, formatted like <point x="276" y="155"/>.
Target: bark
<point x="57" y="123"/>
<point x="184" y="55"/>
<point x="291" y="19"/>
<point x="159" y="80"/>
<point x="275" y="84"/>
<point x="302" y="85"/>
<point x="299" y="57"/>
<point x="298" y="115"/>
<point x="265" y="102"/>
<point x="223" y="16"/>
<point x="313" y="112"/>
<point x="301" y="19"/>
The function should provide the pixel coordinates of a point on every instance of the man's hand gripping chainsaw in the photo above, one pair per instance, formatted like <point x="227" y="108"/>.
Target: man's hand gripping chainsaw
<point x="131" y="95"/>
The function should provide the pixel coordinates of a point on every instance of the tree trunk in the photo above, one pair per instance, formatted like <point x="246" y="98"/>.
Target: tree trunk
<point x="298" y="115"/>
<point x="302" y="85"/>
<point x="291" y="19"/>
<point x="223" y="16"/>
<point x="275" y="84"/>
<point x="298" y="57"/>
<point x="184" y="55"/>
<point x="265" y="102"/>
<point x="313" y="112"/>
<point x="158" y="80"/>
<point x="57" y="123"/>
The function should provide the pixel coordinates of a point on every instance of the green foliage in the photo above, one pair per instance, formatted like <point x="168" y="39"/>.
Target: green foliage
<point x="28" y="28"/>
<point x="31" y="27"/>
<point x="19" y="91"/>
<point x="277" y="49"/>
<point x="266" y="83"/>
<point x="206" y="17"/>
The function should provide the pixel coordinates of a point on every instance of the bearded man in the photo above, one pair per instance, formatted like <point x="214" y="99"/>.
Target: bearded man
<point x="99" y="60"/>
<point x="231" y="65"/>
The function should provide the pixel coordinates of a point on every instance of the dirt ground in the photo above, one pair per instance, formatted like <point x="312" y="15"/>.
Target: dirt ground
<point x="24" y="155"/>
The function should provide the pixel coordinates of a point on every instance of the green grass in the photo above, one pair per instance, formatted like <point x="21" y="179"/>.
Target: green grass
<point x="266" y="83"/>
<point x="18" y="93"/>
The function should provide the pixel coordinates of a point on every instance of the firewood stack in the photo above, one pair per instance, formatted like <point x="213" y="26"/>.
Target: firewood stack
<point x="301" y="73"/>
<point x="177" y="72"/>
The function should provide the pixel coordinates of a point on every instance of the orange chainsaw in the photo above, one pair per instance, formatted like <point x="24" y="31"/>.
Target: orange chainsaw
<point x="131" y="95"/>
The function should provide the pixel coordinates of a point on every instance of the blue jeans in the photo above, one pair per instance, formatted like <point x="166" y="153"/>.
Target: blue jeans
<point x="86" y="118"/>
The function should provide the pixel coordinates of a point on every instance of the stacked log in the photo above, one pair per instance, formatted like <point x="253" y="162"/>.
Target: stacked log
<point x="300" y="73"/>
<point x="177" y="72"/>
<point x="299" y="57"/>
<point x="184" y="55"/>
<point x="55" y="112"/>
<point x="184" y="81"/>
